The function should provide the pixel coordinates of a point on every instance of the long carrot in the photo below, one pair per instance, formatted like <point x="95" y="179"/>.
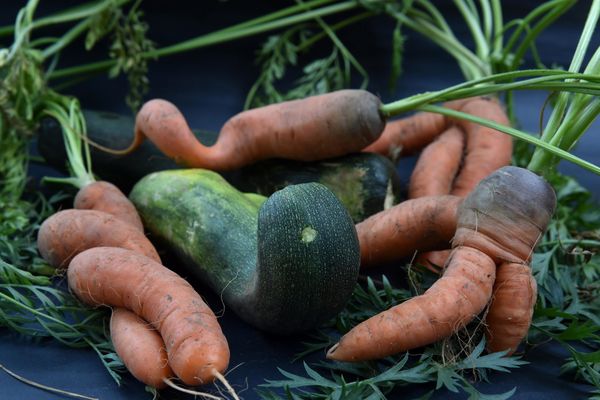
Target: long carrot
<point x="499" y="222"/>
<point x="313" y="128"/>
<point x="197" y="349"/>
<point x="422" y="224"/>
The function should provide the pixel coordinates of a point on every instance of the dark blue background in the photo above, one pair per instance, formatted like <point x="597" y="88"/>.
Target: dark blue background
<point x="209" y="86"/>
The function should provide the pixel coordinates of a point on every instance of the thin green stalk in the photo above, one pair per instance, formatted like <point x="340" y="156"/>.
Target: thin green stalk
<point x="242" y="30"/>
<point x="515" y="133"/>
<point x="336" y="27"/>
<point x="540" y="159"/>
<point x="220" y="37"/>
<point x="436" y="16"/>
<point x="527" y="20"/>
<point x="347" y="55"/>
<point x="498" y="41"/>
<point x="488" y="20"/>
<point x="534" y="32"/>
<point x="472" y="66"/>
<point x="450" y="93"/>
<point x="481" y="44"/>
<point x="67" y="38"/>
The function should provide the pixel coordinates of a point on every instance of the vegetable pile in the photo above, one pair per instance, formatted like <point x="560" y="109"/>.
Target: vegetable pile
<point x="290" y="213"/>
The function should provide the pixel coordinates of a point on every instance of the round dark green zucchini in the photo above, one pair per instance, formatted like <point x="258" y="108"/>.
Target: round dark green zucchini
<point x="284" y="264"/>
<point x="363" y="182"/>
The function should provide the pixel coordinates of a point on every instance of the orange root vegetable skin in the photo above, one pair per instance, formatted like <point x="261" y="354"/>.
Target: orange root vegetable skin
<point x="313" y="128"/>
<point x="449" y="304"/>
<point x="66" y="233"/>
<point x="422" y="224"/>
<point x="509" y="316"/>
<point x="195" y="344"/>
<point x="435" y="261"/>
<point x="406" y="136"/>
<point x="140" y="347"/>
<point x="104" y="196"/>
<point x="438" y="165"/>
<point x="499" y="222"/>
<point x="486" y="149"/>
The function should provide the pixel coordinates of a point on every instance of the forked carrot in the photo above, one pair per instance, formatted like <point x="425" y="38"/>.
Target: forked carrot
<point x="499" y="222"/>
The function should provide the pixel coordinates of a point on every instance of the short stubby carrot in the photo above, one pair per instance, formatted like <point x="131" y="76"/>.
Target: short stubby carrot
<point x="196" y="347"/>
<point x="104" y="196"/>
<point x="449" y="304"/>
<point x="140" y="347"/>
<point x="69" y="232"/>
<point x="422" y="224"/>
<point x="499" y="222"/>
<point x="510" y="312"/>
<point x="437" y="165"/>
<point x="313" y="128"/>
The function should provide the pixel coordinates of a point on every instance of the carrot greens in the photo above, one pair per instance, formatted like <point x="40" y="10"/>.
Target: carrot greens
<point x="566" y="263"/>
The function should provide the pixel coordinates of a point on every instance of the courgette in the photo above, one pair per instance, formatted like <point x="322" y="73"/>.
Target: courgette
<point x="284" y="266"/>
<point x="365" y="182"/>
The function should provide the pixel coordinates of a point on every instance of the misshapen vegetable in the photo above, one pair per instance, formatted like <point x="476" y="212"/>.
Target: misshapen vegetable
<point x="499" y="222"/>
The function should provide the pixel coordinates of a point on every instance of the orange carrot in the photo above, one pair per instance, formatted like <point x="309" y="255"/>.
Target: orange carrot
<point x="499" y="222"/>
<point x="509" y="316"/>
<point x="406" y="136"/>
<point x="104" y="196"/>
<point x="140" y="347"/>
<point x="422" y="224"/>
<point x="449" y="304"/>
<point x="435" y="261"/>
<point x="196" y="347"/>
<point x="313" y="128"/>
<point x="437" y="165"/>
<point x="486" y="149"/>
<point x="68" y="232"/>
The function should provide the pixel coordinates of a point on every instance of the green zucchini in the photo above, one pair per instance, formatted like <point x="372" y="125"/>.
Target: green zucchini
<point x="364" y="182"/>
<point x="284" y="265"/>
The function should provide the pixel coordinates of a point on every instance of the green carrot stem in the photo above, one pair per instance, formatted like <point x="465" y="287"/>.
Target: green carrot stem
<point x="481" y="86"/>
<point x="470" y="18"/>
<point x="514" y="133"/>
<point x="241" y="31"/>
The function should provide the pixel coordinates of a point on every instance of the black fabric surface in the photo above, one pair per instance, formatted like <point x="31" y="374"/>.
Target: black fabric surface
<point x="209" y="86"/>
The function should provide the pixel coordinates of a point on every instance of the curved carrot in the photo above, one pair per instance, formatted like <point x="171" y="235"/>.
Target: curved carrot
<point x="104" y="196"/>
<point x="69" y="232"/>
<point x="437" y="165"/>
<point x="422" y="224"/>
<point x="509" y="316"/>
<point x="406" y="136"/>
<point x="449" y="304"/>
<point x="313" y="128"/>
<point x="486" y="149"/>
<point x="499" y="222"/>
<point x="196" y="347"/>
<point x="140" y="347"/>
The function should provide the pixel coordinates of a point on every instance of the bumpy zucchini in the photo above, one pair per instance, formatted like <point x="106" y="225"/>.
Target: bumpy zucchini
<point x="363" y="182"/>
<point x="284" y="266"/>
